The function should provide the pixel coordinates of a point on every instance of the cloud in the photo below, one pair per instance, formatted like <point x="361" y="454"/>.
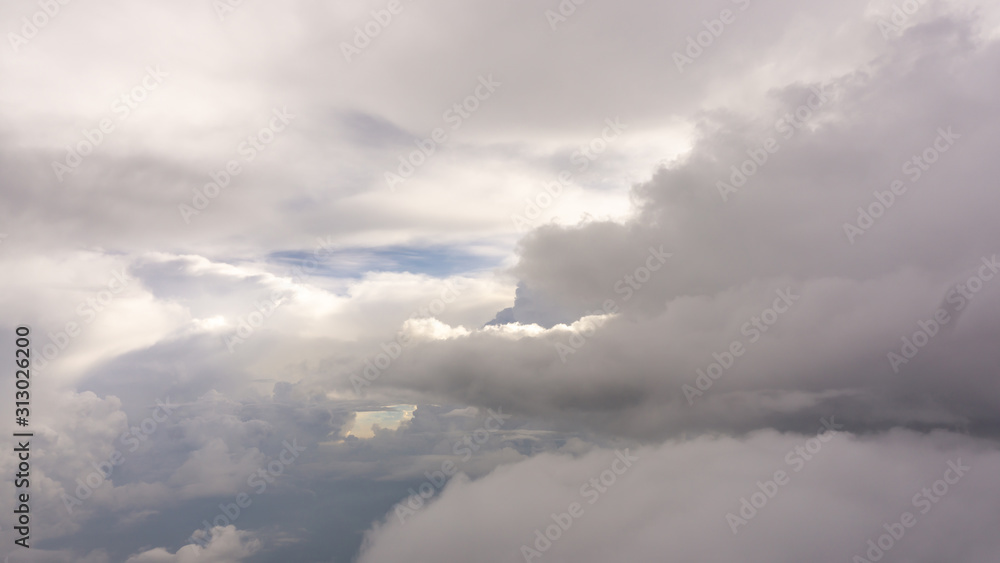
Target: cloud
<point x="770" y="240"/>
<point x="674" y="498"/>
<point x="782" y="231"/>
<point x="226" y="544"/>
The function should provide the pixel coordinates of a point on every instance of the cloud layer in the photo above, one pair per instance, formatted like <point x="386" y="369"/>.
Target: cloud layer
<point x="395" y="281"/>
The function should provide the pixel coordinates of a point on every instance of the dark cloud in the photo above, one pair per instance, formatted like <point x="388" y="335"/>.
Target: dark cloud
<point x="782" y="231"/>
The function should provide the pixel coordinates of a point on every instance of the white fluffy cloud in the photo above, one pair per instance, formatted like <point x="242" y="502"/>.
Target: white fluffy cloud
<point x="226" y="544"/>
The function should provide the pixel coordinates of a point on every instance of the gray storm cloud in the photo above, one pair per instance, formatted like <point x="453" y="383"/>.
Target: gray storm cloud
<point x="866" y="213"/>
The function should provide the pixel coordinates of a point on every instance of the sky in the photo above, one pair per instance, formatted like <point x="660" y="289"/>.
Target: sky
<point x="555" y="281"/>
